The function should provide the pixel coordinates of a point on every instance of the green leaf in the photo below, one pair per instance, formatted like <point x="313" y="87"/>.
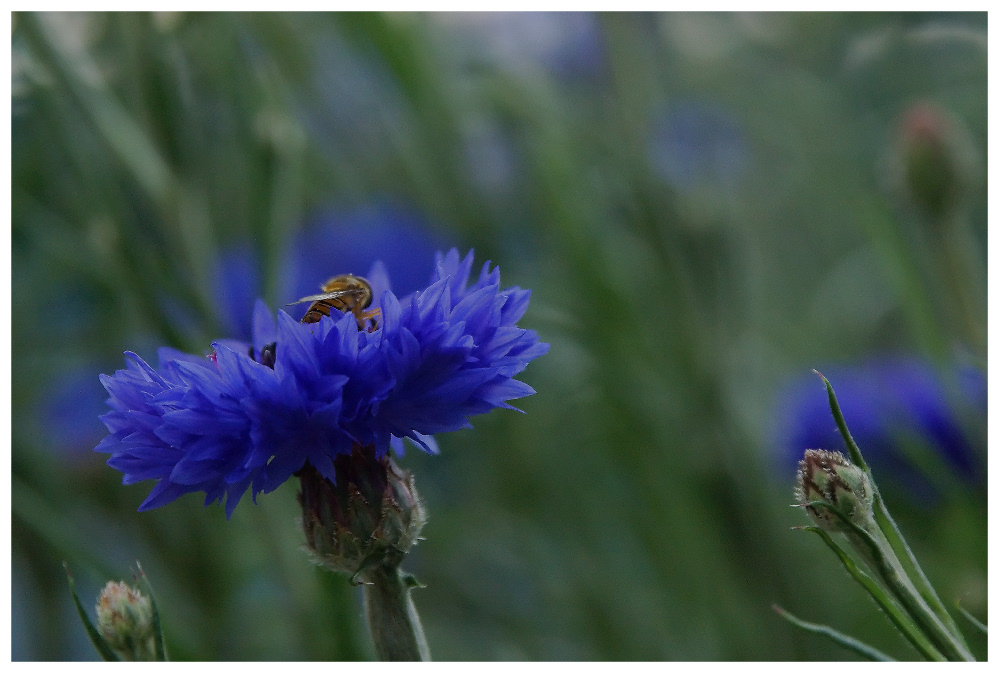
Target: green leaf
<point x="411" y="582"/>
<point x="107" y="654"/>
<point x="855" y="457"/>
<point x="147" y="588"/>
<point x="861" y="648"/>
<point x="974" y="622"/>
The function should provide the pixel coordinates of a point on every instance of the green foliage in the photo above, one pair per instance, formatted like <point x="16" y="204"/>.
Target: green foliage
<point x="637" y="511"/>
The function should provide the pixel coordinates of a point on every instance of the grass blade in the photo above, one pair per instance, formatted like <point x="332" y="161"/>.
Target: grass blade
<point x="861" y="648"/>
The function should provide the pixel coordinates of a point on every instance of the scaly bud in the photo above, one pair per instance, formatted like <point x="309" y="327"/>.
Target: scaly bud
<point x="370" y="517"/>
<point x="125" y="620"/>
<point x="827" y="476"/>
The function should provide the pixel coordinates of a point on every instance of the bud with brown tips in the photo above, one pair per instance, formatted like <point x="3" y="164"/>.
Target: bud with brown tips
<point x="371" y="516"/>
<point x="828" y="477"/>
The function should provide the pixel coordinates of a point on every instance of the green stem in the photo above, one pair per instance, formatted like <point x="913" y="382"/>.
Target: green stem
<point x="960" y="271"/>
<point x="880" y="556"/>
<point x="902" y="621"/>
<point x="889" y="569"/>
<point x="870" y="543"/>
<point x="907" y="561"/>
<point x="392" y="618"/>
<point x="896" y="545"/>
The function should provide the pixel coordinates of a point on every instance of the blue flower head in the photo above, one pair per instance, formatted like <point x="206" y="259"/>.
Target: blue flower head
<point x="304" y="394"/>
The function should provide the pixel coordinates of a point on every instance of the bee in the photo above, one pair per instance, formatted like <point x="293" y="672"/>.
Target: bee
<point x="344" y="293"/>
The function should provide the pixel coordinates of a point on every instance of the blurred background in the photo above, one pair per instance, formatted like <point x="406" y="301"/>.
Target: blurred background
<point x="705" y="206"/>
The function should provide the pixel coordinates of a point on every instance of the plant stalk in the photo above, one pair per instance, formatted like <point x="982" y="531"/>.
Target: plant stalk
<point x="392" y="618"/>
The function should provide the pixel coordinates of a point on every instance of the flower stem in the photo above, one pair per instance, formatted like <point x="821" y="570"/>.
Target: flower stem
<point x="898" y="616"/>
<point x="910" y="568"/>
<point x="880" y="556"/>
<point x="392" y="618"/>
<point x="891" y="556"/>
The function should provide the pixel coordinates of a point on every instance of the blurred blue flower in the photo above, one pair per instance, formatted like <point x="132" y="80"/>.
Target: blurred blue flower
<point x="892" y="407"/>
<point x="237" y="282"/>
<point x="68" y="411"/>
<point x="566" y="44"/>
<point x="68" y="408"/>
<point x="352" y="241"/>
<point x="694" y="144"/>
<point x="491" y="159"/>
<point x="228" y="422"/>
<point x="355" y="109"/>
<point x="332" y="242"/>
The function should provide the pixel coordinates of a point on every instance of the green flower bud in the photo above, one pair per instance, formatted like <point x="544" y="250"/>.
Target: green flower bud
<point x="125" y="620"/>
<point x="370" y="517"/>
<point x="827" y="476"/>
<point x="937" y="158"/>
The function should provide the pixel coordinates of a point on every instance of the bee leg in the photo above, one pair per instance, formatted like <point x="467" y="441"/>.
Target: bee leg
<point x="365" y="316"/>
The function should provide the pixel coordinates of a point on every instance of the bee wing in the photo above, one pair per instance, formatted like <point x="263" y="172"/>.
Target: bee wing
<point x="324" y="296"/>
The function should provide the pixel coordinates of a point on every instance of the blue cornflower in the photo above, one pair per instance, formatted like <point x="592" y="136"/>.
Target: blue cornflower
<point x="304" y="394"/>
<point x="892" y="406"/>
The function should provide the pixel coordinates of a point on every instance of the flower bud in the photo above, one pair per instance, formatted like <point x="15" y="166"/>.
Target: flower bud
<point x="827" y="476"/>
<point x="371" y="516"/>
<point x="937" y="158"/>
<point x="125" y="620"/>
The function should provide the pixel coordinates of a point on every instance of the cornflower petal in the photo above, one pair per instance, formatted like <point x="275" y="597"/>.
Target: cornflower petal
<point x="378" y="278"/>
<point x="264" y="327"/>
